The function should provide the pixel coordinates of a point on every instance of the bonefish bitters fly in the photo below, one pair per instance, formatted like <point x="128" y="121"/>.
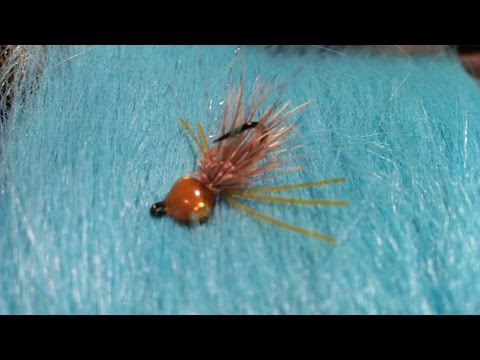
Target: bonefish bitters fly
<point x="246" y="149"/>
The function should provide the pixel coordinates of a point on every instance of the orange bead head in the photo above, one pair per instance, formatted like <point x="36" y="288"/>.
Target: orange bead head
<point x="188" y="201"/>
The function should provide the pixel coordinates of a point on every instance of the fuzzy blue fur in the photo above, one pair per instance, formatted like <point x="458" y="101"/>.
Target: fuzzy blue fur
<point x="96" y="141"/>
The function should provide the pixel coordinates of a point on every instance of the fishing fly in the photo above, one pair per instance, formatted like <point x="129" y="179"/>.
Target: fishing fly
<point x="248" y="148"/>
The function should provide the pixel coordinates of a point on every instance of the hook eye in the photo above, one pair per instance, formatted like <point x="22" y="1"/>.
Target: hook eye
<point x="158" y="209"/>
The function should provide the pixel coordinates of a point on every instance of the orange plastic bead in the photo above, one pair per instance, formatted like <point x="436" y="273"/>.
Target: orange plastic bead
<point x="189" y="201"/>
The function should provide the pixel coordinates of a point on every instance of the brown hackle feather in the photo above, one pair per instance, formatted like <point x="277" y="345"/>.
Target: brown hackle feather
<point x="240" y="160"/>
